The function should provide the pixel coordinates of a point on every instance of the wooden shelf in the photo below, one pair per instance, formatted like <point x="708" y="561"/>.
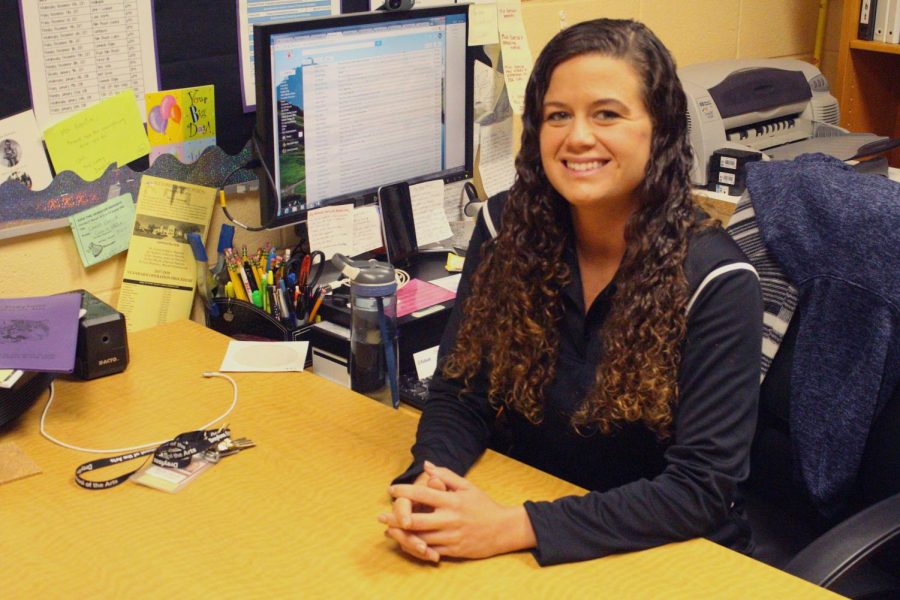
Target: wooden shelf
<point x="867" y="86"/>
<point x="875" y="46"/>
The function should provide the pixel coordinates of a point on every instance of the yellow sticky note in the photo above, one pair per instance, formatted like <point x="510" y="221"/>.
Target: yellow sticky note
<point x="110" y="131"/>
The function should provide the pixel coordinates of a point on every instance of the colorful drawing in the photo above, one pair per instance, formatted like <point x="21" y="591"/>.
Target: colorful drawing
<point x="181" y="122"/>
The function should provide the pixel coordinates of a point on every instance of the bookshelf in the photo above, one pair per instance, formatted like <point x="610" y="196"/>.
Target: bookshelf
<point x="868" y="81"/>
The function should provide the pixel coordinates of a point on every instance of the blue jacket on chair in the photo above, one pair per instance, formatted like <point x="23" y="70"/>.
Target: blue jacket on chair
<point x="836" y="235"/>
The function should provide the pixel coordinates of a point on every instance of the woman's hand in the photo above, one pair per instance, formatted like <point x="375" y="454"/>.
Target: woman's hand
<point x="403" y="509"/>
<point x="463" y="521"/>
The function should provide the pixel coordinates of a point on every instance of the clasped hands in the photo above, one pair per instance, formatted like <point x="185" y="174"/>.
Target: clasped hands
<point x="443" y="514"/>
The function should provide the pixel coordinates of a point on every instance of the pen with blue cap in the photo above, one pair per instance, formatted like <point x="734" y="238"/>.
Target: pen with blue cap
<point x="226" y="240"/>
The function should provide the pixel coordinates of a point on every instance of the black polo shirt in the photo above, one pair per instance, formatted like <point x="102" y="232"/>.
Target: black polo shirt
<point x="643" y="492"/>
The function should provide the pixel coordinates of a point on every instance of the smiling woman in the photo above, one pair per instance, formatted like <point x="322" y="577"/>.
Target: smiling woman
<point x="609" y="334"/>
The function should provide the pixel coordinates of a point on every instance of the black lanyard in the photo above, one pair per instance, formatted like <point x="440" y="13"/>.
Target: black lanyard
<point x="174" y="454"/>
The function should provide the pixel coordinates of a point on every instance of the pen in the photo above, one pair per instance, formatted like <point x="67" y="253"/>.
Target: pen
<point x="315" y="308"/>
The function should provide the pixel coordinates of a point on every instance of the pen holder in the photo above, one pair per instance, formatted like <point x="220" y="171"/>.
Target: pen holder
<point x="243" y="321"/>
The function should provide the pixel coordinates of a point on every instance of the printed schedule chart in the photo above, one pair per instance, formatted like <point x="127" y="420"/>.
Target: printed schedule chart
<point x="82" y="51"/>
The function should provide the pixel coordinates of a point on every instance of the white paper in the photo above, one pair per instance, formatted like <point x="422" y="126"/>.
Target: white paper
<point x="266" y="11"/>
<point x="366" y="229"/>
<point x="482" y="23"/>
<point x="81" y="52"/>
<point x="497" y="165"/>
<point x="331" y="229"/>
<point x="516" y="53"/>
<point x="22" y="155"/>
<point x="450" y="282"/>
<point x="266" y="357"/>
<point x="426" y="362"/>
<point x="428" y="212"/>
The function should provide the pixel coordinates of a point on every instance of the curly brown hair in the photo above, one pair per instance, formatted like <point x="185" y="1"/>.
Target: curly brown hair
<point x="510" y="324"/>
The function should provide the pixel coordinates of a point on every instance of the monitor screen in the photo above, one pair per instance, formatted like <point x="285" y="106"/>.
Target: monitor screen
<point x="351" y="103"/>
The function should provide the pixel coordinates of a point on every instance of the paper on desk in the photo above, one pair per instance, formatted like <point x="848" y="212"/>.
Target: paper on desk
<point x="264" y="356"/>
<point x="450" y="282"/>
<point x="496" y="164"/>
<point x="110" y="131"/>
<point x="104" y="230"/>
<point x="366" y="229"/>
<point x="516" y="54"/>
<point x="22" y="156"/>
<point x="39" y="333"/>
<point x="427" y="200"/>
<point x="418" y="294"/>
<point x="426" y="362"/>
<point x="160" y="271"/>
<point x="482" y="23"/>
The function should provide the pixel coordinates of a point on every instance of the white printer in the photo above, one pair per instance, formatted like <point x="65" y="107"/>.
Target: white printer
<point x="780" y="107"/>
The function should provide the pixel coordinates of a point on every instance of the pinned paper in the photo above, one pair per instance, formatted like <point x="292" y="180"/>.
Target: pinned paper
<point x="22" y="155"/>
<point x="103" y="231"/>
<point x="110" y="131"/>
<point x="482" y="24"/>
<point x="430" y="220"/>
<point x="497" y="164"/>
<point x="516" y="54"/>
<point x="181" y="122"/>
<point x="366" y="229"/>
<point x="331" y="229"/>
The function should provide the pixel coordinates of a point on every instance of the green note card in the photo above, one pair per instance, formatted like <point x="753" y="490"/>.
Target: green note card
<point x="110" y="131"/>
<point x="104" y="230"/>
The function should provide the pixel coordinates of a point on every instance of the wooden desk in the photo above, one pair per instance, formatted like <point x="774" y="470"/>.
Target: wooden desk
<point x="293" y="517"/>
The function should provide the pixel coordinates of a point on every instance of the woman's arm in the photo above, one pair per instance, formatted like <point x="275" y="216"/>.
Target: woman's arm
<point x="455" y="426"/>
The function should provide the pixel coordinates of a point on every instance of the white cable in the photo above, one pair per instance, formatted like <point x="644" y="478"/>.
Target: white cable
<point x="402" y="278"/>
<point x="142" y="446"/>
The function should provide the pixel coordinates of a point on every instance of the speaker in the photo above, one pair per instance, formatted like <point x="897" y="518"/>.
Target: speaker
<point x="392" y="5"/>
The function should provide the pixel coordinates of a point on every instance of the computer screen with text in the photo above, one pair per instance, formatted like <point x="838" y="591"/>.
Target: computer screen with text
<point x="361" y="101"/>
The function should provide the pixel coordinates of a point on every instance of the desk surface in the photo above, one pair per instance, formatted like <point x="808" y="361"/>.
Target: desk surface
<point x="295" y="516"/>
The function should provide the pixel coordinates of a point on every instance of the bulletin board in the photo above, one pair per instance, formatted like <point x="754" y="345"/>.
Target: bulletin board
<point x="196" y="45"/>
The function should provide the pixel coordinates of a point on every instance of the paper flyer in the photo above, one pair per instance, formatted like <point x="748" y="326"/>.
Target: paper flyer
<point x="160" y="271"/>
<point x="103" y="231"/>
<point x="39" y="333"/>
<point x="22" y="156"/>
<point x="181" y="122"/>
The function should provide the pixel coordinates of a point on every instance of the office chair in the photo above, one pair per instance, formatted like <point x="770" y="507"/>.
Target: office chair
<point x="857" y="552"/>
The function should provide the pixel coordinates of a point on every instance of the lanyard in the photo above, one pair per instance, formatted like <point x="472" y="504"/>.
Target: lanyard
<point x="174" y="454"/>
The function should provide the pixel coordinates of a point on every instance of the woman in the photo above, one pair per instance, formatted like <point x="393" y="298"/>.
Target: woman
<point x="609" y="332"/>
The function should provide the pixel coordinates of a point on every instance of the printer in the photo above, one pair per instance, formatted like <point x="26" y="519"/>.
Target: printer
<point x="773" y="109"/>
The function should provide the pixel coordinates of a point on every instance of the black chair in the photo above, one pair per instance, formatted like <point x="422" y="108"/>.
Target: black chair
<point x="856" y="553"/>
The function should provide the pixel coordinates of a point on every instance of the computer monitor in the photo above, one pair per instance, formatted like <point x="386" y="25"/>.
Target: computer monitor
<point x="348" y="104"/>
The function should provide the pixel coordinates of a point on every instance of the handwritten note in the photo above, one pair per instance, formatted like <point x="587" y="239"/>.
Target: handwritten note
<point x="366" y="229"/>
<point x="103" y="231"/>
<point x="110" y="131"/>
<point x="497" y="165"/>
<point x="516" y="54"/>
<point x="482" y="24"/>
<point x="331" y="229"/>
<point x="428" y="212"/>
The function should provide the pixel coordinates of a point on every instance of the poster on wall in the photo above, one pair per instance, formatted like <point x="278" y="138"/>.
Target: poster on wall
<point x="258" y="12"/>
<point x="68" y="68"/>
<point x="22" y="156"/>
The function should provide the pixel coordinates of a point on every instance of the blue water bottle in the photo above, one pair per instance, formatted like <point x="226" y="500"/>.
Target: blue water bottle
<point x="374" y="355"/>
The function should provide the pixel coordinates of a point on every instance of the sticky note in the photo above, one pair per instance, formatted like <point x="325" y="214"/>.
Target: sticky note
<point x="110" y="131"/>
